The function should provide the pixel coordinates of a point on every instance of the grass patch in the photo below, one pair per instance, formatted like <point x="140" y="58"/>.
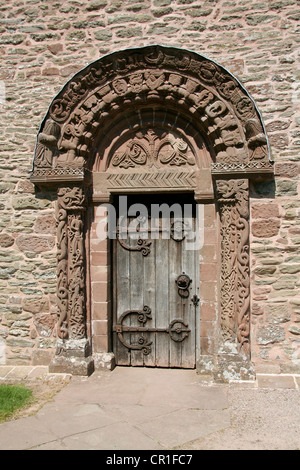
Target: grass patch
<point x="12" y="399"/>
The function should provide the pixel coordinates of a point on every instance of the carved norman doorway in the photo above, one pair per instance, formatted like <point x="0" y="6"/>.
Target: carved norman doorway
<point x="154" y="120"/>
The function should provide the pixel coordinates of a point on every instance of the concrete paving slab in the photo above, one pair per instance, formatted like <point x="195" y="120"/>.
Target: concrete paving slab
<point x="129" y="408"/>
<point x="185" y="425"/>
<point x="75" y="418"/>
<point x="24" y="433"/>
<point x="136" y="414"/>
<point x="120" y="436"/>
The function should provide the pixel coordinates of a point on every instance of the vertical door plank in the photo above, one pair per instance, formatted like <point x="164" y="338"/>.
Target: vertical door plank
<point x="188" y="309"/>
<point x="136" y="301"/>
<point x="162" y="301"/>
<point x="122" y="301"/>
<point x="149" y="299"/>
<point x="175" y="301"/>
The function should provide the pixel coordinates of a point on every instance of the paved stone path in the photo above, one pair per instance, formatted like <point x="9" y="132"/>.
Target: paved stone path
<point x="157" y="409"/>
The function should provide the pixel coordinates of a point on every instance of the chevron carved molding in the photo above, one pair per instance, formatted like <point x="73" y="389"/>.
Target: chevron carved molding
<point x="107" y="182"/>
<point x="169" y="179"/>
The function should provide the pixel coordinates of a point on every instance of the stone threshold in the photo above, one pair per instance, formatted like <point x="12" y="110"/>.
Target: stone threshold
<point x="8" y="373"/>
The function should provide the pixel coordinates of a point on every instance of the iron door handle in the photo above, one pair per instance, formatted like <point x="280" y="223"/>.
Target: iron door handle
<point x="183" y="282"/>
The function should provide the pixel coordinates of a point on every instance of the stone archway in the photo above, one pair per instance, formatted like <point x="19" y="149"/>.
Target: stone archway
<point x="87" y="146"/>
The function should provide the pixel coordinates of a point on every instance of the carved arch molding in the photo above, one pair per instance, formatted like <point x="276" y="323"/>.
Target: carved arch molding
<point x="159" y="118"/>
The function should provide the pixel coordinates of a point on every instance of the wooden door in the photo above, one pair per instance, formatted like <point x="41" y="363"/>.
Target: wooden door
<point x="156" y="279"/>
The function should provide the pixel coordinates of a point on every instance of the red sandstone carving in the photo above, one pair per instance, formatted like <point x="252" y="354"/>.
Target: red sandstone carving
<point x="125" y="86"/>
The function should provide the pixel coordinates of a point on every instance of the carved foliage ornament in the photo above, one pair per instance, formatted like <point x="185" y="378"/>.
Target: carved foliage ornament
<point x="225" y="112"/>
<point x="153" y="148"/>
<point x="70" y="262"/>
<point x="235" y="281"/>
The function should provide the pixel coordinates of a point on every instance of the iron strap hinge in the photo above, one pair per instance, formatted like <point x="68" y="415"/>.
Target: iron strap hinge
<point x="177" y="329"/>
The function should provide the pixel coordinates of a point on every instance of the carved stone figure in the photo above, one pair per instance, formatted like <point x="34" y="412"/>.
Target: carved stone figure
<point x="46" y="148"/>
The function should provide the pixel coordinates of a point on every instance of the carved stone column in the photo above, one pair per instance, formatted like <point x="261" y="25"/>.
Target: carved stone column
<point x="73" y="349"/>
<point x="232" y="360"/>
<point x="233" y="203"/>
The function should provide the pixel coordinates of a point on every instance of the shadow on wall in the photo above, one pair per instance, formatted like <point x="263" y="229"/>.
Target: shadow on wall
<point x="263" y="189"/>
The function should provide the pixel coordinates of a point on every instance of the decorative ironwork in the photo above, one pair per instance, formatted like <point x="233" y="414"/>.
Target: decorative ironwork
<point x="183" y="283"/>
<point x="195" y="300"/>
<point x="142" y="244"/>
<point x="178" y="230"/>
<point x="178" y="330"/>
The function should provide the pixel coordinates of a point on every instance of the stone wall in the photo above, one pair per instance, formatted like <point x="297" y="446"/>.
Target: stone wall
<point x="43" y="44"/>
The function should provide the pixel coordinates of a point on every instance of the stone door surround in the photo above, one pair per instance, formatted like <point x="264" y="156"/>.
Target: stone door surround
<point x="156" y="119"/>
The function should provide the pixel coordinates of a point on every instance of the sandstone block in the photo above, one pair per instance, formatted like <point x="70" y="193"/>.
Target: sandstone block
<point x="6" y="240"/>
<point x="265" y="228"/>
<point x="295" y="330"/>
<point x="29" y="203"/>
<point x="36" y="304"/>
<point x="286" y="169"/>
<point x="41" y="357"/>
<point x="7" y="273"/>
<point x="44" y="323"/>
<point x="286" y="187"/>
<point x="265" y="211"/>
<point x="262" y="270"/>
<point x="34" y="243"/>
<point x="45" y="224"/>
<point x="290" y="268"/>
<point x="277" y="126"/>
<point x="96" y="5"/>
<point x="279" y="140"/>
<point x="270" y="334"/>
<point x="25" y="186"/>
<point x="278" y="313"/>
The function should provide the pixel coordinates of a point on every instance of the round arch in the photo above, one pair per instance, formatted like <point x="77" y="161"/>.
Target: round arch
<point x="156" y="119"/>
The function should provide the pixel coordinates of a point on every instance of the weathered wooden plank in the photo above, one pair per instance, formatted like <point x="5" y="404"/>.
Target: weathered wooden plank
<point x="122" y="300"/>
<point x="175" y="301"/>
<point x="162" y="301"/>
<point x="149" y="299"/>
<point x="136" y="276"/>
<point x="188" y="309"/>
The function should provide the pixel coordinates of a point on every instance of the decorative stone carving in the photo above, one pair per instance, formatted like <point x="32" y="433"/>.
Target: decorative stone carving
<point x="174" y="78"/>
<point x="235" y="282"/>
<point x="113" y="182"/>
<point x="46" y="148"/>
<point x="153" y="148"/>
<point x="124" y="86"/>
<point x="70" y="262"/>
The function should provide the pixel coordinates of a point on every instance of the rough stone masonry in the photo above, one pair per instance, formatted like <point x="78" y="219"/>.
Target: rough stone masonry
<point x="43" y="44"/>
